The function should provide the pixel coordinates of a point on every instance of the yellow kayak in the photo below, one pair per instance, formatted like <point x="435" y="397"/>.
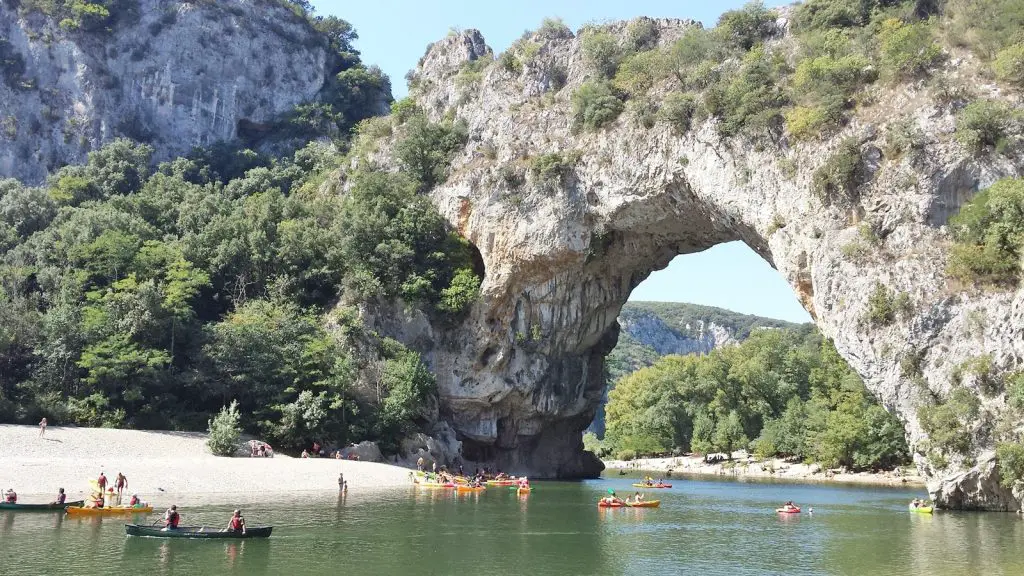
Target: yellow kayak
<point x="523" y="490"/>
<point x="110" y="511"/>
<point x="920" y="509"/>
<point x="462" y="488"/>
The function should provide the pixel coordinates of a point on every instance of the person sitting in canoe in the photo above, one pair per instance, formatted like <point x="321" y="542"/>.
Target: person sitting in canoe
<point x="637" y="498"/>
<point x="10" y="496"/>
<point x="171" y="518"/>
<point x="135" y="502"/>
<point x="612" y="500"/>
<point x="61" y="496"/>
<point x="789" y="506"/>
<point x="237" y="523"/>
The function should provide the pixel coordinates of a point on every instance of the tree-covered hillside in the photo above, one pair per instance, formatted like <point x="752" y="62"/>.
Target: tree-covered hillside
<point x="151" y="296"/>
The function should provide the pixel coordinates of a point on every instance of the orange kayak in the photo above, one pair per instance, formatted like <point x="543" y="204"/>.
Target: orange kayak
<point x="645" y="504"/>
<point x="461" y="488"/>
<point x="110" y="511"/>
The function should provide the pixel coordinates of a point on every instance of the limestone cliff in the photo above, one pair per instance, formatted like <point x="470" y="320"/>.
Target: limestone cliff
<point x="522" y="376"/>
<point x="173" y="74"/>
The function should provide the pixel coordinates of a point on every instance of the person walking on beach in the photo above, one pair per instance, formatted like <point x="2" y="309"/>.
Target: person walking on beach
<point x="121" y="482"/>
<point x="42" y="427"/>
<point x="102" y="482"/>
<point x="341" y="481"/>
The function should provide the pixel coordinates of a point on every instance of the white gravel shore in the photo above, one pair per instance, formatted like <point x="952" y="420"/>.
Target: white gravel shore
<point x="161" y="465"/>
<point x="774" y="468"/>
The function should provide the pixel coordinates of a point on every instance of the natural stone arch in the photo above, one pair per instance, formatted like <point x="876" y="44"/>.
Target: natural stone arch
<point x="520" y="378"/>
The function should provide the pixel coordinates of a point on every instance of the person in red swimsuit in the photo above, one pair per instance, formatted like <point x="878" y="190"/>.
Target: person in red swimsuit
<point x="237" y="523"/>
<point x="102" y="481"/>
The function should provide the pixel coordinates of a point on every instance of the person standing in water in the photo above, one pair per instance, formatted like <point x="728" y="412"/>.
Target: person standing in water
<point x="341" y="481"/>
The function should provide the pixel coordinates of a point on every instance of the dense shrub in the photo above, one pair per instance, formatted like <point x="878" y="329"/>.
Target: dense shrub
<point x="947" y="423"/>
<point x="1011" y="463"/>
<point x="806" y="122"/>
<point x="554" y="29"/>
<point x="747" y="26"/>
<point x="694" y="58"/>
<point x="638" y="73"/>
<point x="1015" y="390"/>
<point x="1009" y="65"/>
<point x="594" y="105"/>
<point x="510" y="62"/>
<point x="427" y="148"/>
<point x="908" y="49"/>
<point x="826" y="85"/>
<point x="983" y="124"/>
<point x="641" y="35"/>
<point x="884" y="306"/>
<point x="601" y="52"/>
<point x="224" y="430"/>
<point x="989" y="230"/>
<point x="826" y="14"/>
<point x="552" y="168"/>
<point x="838" y="179"/>
<point x="677" y="110"/>
<point x="986" y="26"/>
<point x="752" y="99"/>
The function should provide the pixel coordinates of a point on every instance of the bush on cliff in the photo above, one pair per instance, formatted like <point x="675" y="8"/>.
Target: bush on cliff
<point x="989" y="230"/>
<point x="594" y="105"/>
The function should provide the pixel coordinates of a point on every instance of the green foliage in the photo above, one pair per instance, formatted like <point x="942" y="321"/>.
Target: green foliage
<point x="677" y="110"/>
<point x="751" y="99"/>
<point x="594" y="444"/>
<point x="986" y="26"/>
<point x="594" y="105"/>
<point x="79" y="15"/>
<point x="1009" y="65"/>
<point x="638" y="73"/>
<point x="747" y="26"/>
<point x="907" y="50"/>
<point x="510" y="63"/>
<point x="983" y="124"/>
<point x="224" y="430"/>
<point x="989" y="231"/>
<point x="805" y="123"/>
<point x="884" y="306"/>
<point x="1015" y="390"/>
<point x="554" y="167"/>
<point x="838" y="178"/>
<point x="601" y="52"/>
<point x="1011" y="463"/>
<point x="827" y="14"/>
<point x="554" y="29"/>
<point x="641" y="34"/>
<point x="427" y="148"/>
<point x="463" y="291"/>
<point x="947" y="424"/>
<point x="786" y="388"/>
<point x="826" y="84"/>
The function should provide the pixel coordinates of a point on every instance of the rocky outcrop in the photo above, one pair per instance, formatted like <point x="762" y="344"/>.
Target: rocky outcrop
<point x="652" y="331"/>
<point x="521" y="377"/>
<point x="173" y="74"/>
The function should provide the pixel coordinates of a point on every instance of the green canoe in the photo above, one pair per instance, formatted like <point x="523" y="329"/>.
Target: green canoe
<point x="200" y="532"/>
<point x="40" y="507"/>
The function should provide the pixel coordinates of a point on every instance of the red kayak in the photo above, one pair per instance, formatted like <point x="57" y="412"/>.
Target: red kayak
<point x="793" y="510"/>
<point x="603" y="504"/>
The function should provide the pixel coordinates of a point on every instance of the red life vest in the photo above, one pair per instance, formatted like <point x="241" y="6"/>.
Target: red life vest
<point x="172" y="520"/>
<point x="236" y="523"/>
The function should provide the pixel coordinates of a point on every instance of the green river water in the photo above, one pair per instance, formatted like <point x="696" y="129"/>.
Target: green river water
<point x="702" y="527"/>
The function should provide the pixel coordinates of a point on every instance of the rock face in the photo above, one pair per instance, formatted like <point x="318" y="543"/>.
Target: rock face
<point x="522" y="376"/>
<point x="652" y="331"/>
<point x="175" y="75"/>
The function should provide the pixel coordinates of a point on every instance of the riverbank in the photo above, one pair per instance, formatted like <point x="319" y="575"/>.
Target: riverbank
<point x="743" y="466"/>
<point x="162" y="465"/>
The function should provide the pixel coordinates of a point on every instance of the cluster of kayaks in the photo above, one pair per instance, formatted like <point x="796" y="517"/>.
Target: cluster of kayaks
<point x="641" y="504"/>
<point x="643" y="485"/>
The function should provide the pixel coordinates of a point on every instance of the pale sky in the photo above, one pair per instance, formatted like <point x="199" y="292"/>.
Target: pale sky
<point x="393" y="34"/>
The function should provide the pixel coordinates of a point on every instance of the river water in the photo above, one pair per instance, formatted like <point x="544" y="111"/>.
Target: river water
<point x="702" y="527"/>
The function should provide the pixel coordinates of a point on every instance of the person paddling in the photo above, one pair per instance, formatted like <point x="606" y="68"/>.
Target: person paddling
<point x="171" y="518"/>
<point x="237" y="523"/>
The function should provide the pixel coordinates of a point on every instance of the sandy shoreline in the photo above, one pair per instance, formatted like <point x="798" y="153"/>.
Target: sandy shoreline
<point x="774" y="469"/>
<point x="163" y="466"/>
